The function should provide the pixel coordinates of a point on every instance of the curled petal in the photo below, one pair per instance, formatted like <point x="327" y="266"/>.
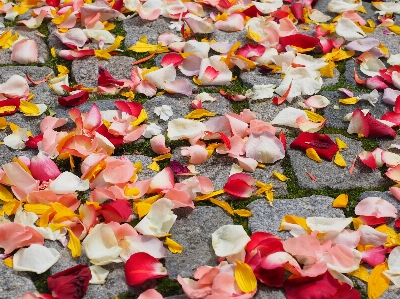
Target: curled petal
<point x="141" y="266"/>
<point x="25" y="51"/>
<point x="158" y="145"/>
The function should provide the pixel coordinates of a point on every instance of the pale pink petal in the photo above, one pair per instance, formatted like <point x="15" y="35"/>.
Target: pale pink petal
<point x="317" y="101"/>
<point x="194" y="290"/>
<point x="355" y="17"/>
<point x="287" y="27"/>
<point x="135" y="134"/>
<point x="375" y="206"/>
<point x="238" y="127"/>
<point x="224" y="74"/>
<point x="150" y="10"/>
<point x="198" y="154"/>
<point x="118" y="171"/>
<point x="306" y="125"/>
<point x="264" y="147"/>
<point x="206" y="185"/>
<point x="190" y="66"/>
<point x="390" y="96"/>
<point x="237" y="147"/>
<point x="75" y="37"/>
<point x="363" y="44"/>
<point x="50" y="122"/>
<point x="15" y="87"/>
<point x="221" y="47"/>
<point x="377" y="153"/>
<point x="306" y="249"/>
<point x="164" y="180"/>
<point x="160" y="76"/>
<point x="248" y="164"/>
<point x="23" y="182"/>
<point x="376" y="82"/>
<point x="167" y="38"/>
<point x="34" y="22"/>
<point x="234" y="22"/>
<point x="141" y="186"/>
<point x="88" y="215"/>
<point x="358" y="123"/>
<point x="368" y="159"/>
<point x="14" y="235"/>
<point x="199" y="25"/>
<point x="70" y="22"/>
<point x="342" y="259"/>
<point x="394" y="173"/>
<point x="347" y="237"/>
<point x="391" y="159"/>
<point x="182" y="86"/>
<point x="158" y="145"/>
<point x="370" y="236"/>
<point x="92" y="119"/>
<point x="395" y="192"/>
<point x="280" y="259"/>
<point x="25" y="51"/>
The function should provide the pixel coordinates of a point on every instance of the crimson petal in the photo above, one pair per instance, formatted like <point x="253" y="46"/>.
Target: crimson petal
<point x="306" y="140"/>
<point x="118" y="211"/>
<point x="105" y="78"/>
<point x="142" y="266"/>
<point x="378" y="129"/>
<point x="12" y="103"/>
<point x="299" y="40"/>
<point x="32" y="142"/>
<point x="132" y="108"/>
<point x="115" y="140"/>
<point x="71" y="283"/>
<point x="74" y="99"/>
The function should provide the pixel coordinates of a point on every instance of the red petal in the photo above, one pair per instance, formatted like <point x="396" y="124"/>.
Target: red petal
<point x="118" y="211"/>
<point x="368" y="159"/>
<point x="54" y="3"/>
<point x="238" y="188"/>
<point x="173" y="58"/>
<point x="115" y="140"/>
<point x="10" y="102"/>
<point x="282" y="138"/>
<point x="392" y="117"/>
<point x="252" y="12"/>
<point x="71" y="283"/>
<point x="280" y="100"/>
<point x="280" y="14"/>
<point x="297" y="11"/>
<point x="372" y="220"/>
<point x="397" y="105"/>
<point x="105" y="78"/>
<point x="211" y="73"/>
<point x="378" y="129"/>
<point x="375" y="82"/>
<point x="358" y="79"/>
<point x="323" y="145"/>
<point x="132" y="108"/>
<point x="254" y="50"/>
<point x="299" y="40"/>
<point x="226" y="140"/>
<point x="74" y="99"/>
<point x="142" y="266"/>
<point x="118" y="5"/>
<point x="33" y="141"/>
<point x="397" y="223"/>
<point x="262" y="239"/>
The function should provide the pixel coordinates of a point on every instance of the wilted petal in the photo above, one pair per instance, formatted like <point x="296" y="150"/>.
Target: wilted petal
<point x="158" y="145"/>
<point x="199" y="25"/>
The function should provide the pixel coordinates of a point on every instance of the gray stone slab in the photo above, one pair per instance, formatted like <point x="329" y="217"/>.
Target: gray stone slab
<point x="85" y="71"/>
<point x="265" y="292"/>
<point x="43" y="52"/>
<point x="14" y="283"/>
<point x="177" y="297"/>
<point x="7" y="154"/>
<point x="218" y="167"/>
<point x="254" y="77"/>
<point x="43" y="93"/>
<point x="137" y="27"/>
<point x="268" y="218"/>
<point x="329" y="175"/>
<point x="230" y="37"/>
<point x="349" y="72"/>
<point x="335" y="116"/>
<point x="193" y="231"/>
<point x="386" y="143"/>
<point x="391" y="41"/>
<point x="146" y="161"/>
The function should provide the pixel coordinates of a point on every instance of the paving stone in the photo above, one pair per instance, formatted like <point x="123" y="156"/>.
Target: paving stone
<point x="43" y="52"/>
<point x="14" y="283"/>
<point x="385" y="143"/>
<point x="391" y="41"/>
<point x="267" y="218"/>
<point x="177" y="297"/>
<point x="43" y="93"/>
<point x="193" y="231"/>
<point x="231" y="37"/>
<point x="146" y="161"/>
<point x="85" y="71"/>
<point x="349" y="73"/>
<point x="254" y="77"/>
<point x="136" y="27"/>
<point x="7" y="154"/>
<point x="265" y="292"/>
<point x="332" y="176"/>
<point x="218" y="167"/>
<point x="335" y="116"/>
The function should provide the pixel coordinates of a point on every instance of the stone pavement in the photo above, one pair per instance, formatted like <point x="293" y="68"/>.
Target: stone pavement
<point x="299" y="196"/>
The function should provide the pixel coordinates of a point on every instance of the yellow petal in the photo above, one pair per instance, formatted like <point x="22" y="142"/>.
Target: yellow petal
<point x="199" y="113"/>
<point x="361" y="273"/>
<point x="209" y="195"/>
<point x="294" y="220"/>
<point x="62" y="212"/>
<point x="20" y="9"/>
<point x="341" y="201"/>
<point x="395" y="29"/>
<point x="357" y="222"/>
<point x="280" y="176"/>
<point x="211" y="147"/>
<point x="339" y="160"/>
<point x="61" y="18"/>
<point x="243" y="213"/>
<point x="154" y="166"/>
<point x="314" y="117"/>
<point x="328" y="70"/>
<point x="8" y="262"/>
<point x="53" y="52"/>
<point x="341" y="144"/>
<point x="7" y="109"/>
<point x="377" y="282"/>
<point x="74" y="244"/>
<point x="36" y="208"/>
<point x="362" y="9"/>
<point x="62" y="70"/>
<point x="383" y="48"/>
<point x="28" y="108"/>
<point x="141" y="118"/>
<point x="3" y="123"/>
<point x="173" y="246"/>
<point x="349" y="101"/>
<point x="108" y="26"/>
<point x="103" y="54"/>
<point x="245" y="277"/>
<point x="95" y="170"/>
<point x="131" y="191"/>
<point x="162" y="157"/>
<point x="45" y="217"/>
<point x="4" y="37"/>
<point x="11" y="207"/>
<point x="143" y="208"/>
<point x="197" y="80"/>
<point x="222" y="204"/>
<point x="5" y="195"/>
<point x="312" y="154"/>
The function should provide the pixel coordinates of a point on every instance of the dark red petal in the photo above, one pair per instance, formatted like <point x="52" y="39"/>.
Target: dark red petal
<point x="299" y="40"/>
<point x="9" y="102"/>
<point x="306" y="140"/>
<point x="263" y="238"/>
<point x="71" y="283"/>
<point x="397" y="223"/>
<point x="345" y="291"/>
<point x="282" y="138"/>
<point x="105" y="78"/>
<point x="118" y="5"/>
<point x="375" y="82"/>
<point x="297" y="11"/>
<point x="32" y="142"/>
<point x="372" y="220"/>
<point x="132" y="108"/>
<point x="142" y="266"/>
<point x="74" y="99"/>
<point x="392" y="117"/>
<point x="252" y="12"/>
<point x="54" y="3"/>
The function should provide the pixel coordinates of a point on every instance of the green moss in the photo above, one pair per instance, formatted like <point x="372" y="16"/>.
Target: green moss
<point x="10" y="23"/>
<point x="138" y="148"/>
<point x="40" y="281"/>
<point x="168" y="287"/>
<point x="127" y="295"/>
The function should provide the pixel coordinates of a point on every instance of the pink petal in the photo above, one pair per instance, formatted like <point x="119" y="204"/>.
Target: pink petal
<point x="135" y="134"/>
<point x="347" y="92"/>
<point x="355" y="17"/>
<point x="34" y="22"/>
<point x="395" y="192"/>
<point x="142" y="186"/>
<point x="305" y="248"/>
<point x="132" y="108"/>
<point x="375" y="206"/>
<point x="198" y="154"/>
<point x="190" y="66"/>
<point x="306" y="125"/>
<point x="317" y="101"/>
<point x="391" y="159"/>
<point x="238" y="127"/>
<point x="167" y="38"/>
<point x="150" y="294"/>
<point x="257" y="125"/>
<point x="234" y="22"/>
<point x="264" y="147"/>
<point x="374" y="256"/>
<point x="394" y="173"/>
<point x="224" y="285"/>
<point x="363" y="44"/>
<point x="375" y="82"/>
<point x="146" y="88"/>
<point x="93" y="118"/>
<point x="43" y="168"/>
<point x="25" y="51"/>
<point x="88" y="215"/>
<point x="182" y="86"/>
<point x="158" y="145"/>
<point x="199" y="25"/>
<point x="73" y="37"/>
<point x="179" y="198"/>
<point x="286" y="27"/>
<point x="141" y="266"/>
<point x="118" y="171"/>
<point x="150" y="10"/>
<point x="23" y="182"/>
<point x="194" y="290"/>
<point x="248" y="164"/>
<point x="205" y="184"/>
<point x="358" y="123"/>
<point x="15" y="87"/>
<point x="171" y="58"/>
<point x="14" y="235"/>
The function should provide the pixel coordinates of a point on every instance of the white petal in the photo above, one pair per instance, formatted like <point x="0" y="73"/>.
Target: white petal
<point x="36" y="258"/>
<point x="348" y="29"/>
<point x="185" y="128"/>
<point x="229" y="240"/>
<point x="325" y="225"/>
<point x="264" y="147"/>
<point x="287" y="117"/>
<point x="159" y="77"/>
<point x="148" y="244"/>
<point x="68" y="182"/>
<point x="99" y="275"/>
<point x="394" y="260"/>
